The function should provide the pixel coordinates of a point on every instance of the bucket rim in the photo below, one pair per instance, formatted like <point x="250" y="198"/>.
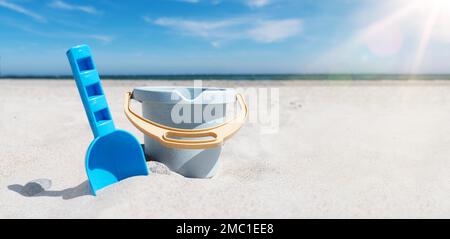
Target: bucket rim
<point x="179" y="94"/>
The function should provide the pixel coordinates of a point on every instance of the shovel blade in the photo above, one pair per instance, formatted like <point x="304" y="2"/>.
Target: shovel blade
<point x="114" y="157"/>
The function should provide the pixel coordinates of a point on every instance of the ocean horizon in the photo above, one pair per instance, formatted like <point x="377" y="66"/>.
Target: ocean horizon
<point x="245" y="77"/>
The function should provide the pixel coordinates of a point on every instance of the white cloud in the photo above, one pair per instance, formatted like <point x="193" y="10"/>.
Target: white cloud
<point x="215" y="44"/>
<point x="274" y="31"/>
<point x="198" y="28"/>
<point x="58" y="4"/>
<point x="251" y="3"/>
<point x="22" y="10"/>
<point x="102" y="38"/>
<point x="213" y="2"/>
<point x="258" y="3"/>
<point x="218" y="31"/>
<point x="189" y="1"/>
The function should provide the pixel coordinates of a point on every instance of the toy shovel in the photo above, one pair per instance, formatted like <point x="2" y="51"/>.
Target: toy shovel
<point x="114" y="154"/>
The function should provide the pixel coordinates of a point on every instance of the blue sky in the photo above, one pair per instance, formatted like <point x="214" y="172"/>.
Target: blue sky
<point x="228" y="36"/>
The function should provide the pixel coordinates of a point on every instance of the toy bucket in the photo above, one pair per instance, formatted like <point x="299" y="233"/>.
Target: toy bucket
<point x="185" y="128"/>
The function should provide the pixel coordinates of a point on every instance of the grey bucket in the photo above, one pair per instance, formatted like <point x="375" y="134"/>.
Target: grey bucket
<point x="186" y="109"/>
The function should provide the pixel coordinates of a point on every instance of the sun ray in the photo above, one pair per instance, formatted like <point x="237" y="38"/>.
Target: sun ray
<point x="426" y="35"/>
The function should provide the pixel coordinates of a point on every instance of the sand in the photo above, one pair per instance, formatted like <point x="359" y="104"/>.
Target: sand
<point x="344" y="149"/>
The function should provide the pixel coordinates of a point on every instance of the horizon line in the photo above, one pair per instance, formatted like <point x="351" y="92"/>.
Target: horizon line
<point x="249" y="76"/>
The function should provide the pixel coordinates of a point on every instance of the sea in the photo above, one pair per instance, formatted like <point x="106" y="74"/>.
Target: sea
<point x="248" y="77"/>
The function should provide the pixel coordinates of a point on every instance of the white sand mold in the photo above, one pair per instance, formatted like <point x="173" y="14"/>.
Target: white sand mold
<point x="344" y="149"/>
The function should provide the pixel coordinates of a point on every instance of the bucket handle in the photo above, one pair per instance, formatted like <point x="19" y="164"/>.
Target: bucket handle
<point x="167" y="135"/>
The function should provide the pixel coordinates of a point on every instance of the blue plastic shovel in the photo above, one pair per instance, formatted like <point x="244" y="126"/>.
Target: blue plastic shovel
<point x="114" y="155"/>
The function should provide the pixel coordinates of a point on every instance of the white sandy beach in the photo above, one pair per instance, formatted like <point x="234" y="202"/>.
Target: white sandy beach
<point x="345" y="149"/>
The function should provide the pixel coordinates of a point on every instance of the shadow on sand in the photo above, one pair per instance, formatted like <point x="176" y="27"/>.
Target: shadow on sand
<point x="36" y="189"/>
<point x="40" y="187"/>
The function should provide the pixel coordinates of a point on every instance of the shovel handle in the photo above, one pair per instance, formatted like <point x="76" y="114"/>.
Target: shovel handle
<point x="91" y="90"/>
<point x="169" y="136"/>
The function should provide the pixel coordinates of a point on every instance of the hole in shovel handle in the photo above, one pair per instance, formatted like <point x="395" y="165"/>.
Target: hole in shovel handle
<point x="85" y="64"/>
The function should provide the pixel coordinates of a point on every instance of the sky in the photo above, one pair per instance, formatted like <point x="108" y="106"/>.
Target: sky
<point x="227" y="36"/>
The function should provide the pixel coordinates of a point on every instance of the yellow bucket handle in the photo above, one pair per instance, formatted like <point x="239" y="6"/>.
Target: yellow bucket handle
<point x="165" y="135"/>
